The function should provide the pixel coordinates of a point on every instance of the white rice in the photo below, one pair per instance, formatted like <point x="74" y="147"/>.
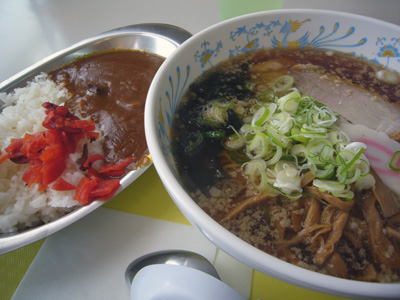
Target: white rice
<point x="21" y="207"/>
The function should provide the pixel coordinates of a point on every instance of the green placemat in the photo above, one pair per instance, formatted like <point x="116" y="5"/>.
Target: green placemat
<point x="233" y="8"/>
<point x="13" y="266"/>
<point x="146" y="196"/>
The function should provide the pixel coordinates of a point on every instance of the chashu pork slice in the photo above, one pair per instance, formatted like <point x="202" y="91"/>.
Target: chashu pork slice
<point x="354" y="103"/>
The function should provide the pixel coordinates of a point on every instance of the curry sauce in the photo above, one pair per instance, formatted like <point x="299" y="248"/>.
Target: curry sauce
<point x="111" y="88"/>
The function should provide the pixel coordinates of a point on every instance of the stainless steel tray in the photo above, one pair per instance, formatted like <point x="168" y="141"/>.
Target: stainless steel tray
<point x="161" y="39"/>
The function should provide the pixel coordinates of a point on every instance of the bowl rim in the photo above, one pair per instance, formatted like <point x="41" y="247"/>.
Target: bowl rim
<point x="218" y="235"/>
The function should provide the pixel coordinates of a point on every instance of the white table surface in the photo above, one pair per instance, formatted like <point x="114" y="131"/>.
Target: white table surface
<point x="31" y="30"/>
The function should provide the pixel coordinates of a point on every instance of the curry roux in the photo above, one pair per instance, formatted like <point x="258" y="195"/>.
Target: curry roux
<point x="111" y="88"/>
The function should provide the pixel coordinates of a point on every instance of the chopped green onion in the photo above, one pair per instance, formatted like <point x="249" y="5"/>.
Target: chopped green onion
<point x="341" y="177"/>
<point x="314" y="149"/>
<point x="353" y="176"/>
<point x="338" y="190"/>
<point x="325" y="173"/>
<point x="193" y="145"/>
<point x="324" y="117"/>
<point x="222" y="103"/>
<point x="276" y="138"/>
<point x="283" y="83"/>
<point x="364" y="167"/>
<point x="328" y="185"/>
<point x="394" y="163"/>
<point x="326" y="154"/>
<point x="267" y="96"/>
<point x="248" y="129"/>
<point x="258" y="147"/>
<point x="352" y="161"/>
<point x="261" y="116"/>
<point x="290" y="106"/>
<point x="297" y="135"/>
<point x="305" y="102"/>
<point x="250" y="85"/>
<point x="313" y="131"/>
<point x="256" y="170"/>
<point x="282" y="122"/>
<point x="333" y="137"/>
<point x="364" y="183"/>
<point x="346" y="194"/>
<point x="344" y="156"/>
<point x="233" y="142"/>
<point x="298" y="150"/>
<point x="289" y="102"/>
<point x="277" y="156"/>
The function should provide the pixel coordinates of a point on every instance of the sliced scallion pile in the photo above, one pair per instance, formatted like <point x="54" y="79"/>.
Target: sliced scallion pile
<point x="293" y="134"/>
<point x="394" y="163"/>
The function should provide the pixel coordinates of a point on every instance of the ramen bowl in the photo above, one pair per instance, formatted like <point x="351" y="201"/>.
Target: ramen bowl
<point x="371" y="39"/>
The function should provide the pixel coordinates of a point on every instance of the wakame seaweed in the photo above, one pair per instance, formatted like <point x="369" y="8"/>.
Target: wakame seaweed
<point x="195" y="139"/>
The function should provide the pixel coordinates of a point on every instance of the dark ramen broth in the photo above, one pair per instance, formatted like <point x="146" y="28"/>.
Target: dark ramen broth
<point x="111" y="88"/>
<point x="277" y="225"/>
